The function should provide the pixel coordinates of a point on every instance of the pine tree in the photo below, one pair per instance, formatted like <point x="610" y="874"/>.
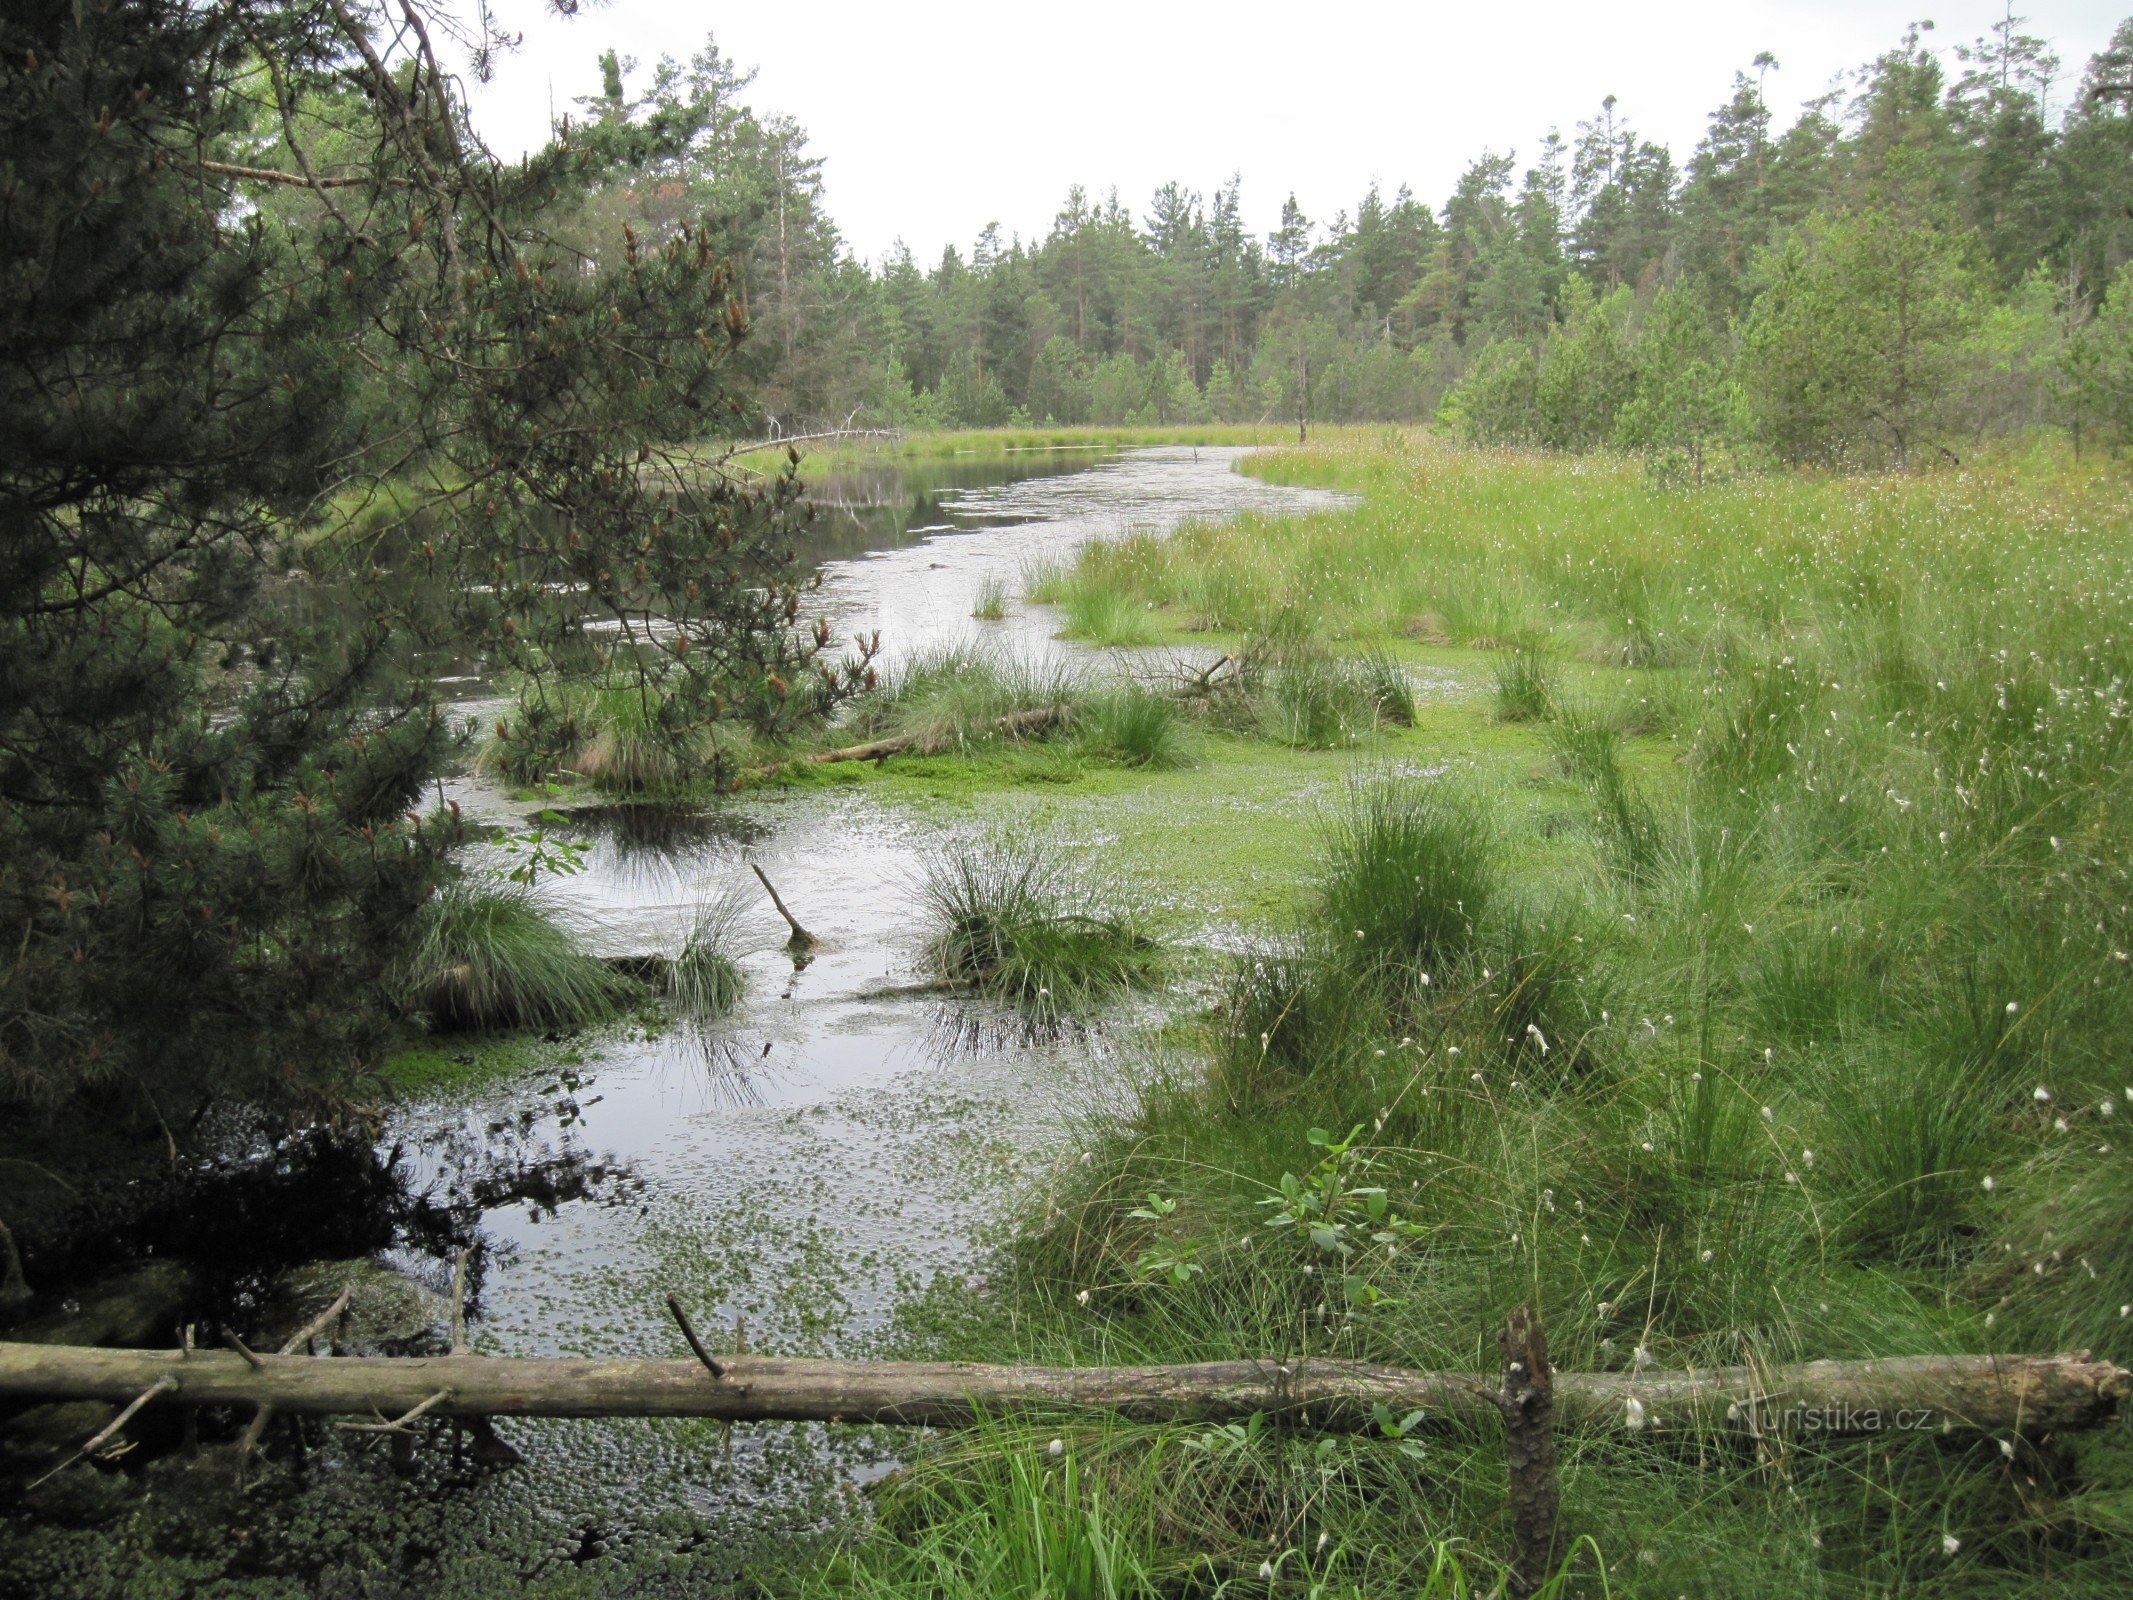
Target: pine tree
<point x="292" y="391"/>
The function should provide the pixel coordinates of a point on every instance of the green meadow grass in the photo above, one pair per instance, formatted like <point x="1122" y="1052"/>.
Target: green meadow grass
<point x="1759" y="995"/>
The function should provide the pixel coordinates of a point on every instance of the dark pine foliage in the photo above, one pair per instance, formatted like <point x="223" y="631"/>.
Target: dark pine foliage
<point x="269" y="449"/>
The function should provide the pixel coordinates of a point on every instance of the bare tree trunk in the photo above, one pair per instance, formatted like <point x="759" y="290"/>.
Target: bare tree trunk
<point x="2030" y="1394"/>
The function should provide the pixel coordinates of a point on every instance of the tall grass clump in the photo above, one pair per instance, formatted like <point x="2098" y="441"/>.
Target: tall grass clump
<point x="1525" y="680"/>
<point x="1590" y="750"/>
<point x="624" y="737"/>
<point x="1136" y="726"/>
<point x="1107" y="617"/>
<point x="953" y="698"/>
<point x="487" y="955"/>
<point x="704" y="981"/>
<point x="997" y="1512"/>
<point x="991" y="602"/>
<point x="1011" y="919"/>
<point x="1408" y="873"/>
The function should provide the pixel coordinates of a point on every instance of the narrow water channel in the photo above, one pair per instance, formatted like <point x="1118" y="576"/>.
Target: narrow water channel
<point x="805" y="1165"/>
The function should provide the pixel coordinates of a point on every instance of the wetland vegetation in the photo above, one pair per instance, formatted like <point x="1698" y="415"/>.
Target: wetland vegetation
<point x="1568" y="751"/>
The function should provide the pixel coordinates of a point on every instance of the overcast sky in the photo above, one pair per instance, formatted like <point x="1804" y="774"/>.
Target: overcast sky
<point x="937" y="118"/>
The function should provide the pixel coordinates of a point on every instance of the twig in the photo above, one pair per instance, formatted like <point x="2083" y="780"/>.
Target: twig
<point x="696" y="1344"/>
<point x="801" y="939"/>
<point x="399" y="1423"/>
<point x="238" y="1345"/>
<point x="460" y="1346"/>
<point x="160" y="1386"/>
<point x="14" y="1287"/>
<point x="255" y="1430"/>
<point x="225" y="169"/>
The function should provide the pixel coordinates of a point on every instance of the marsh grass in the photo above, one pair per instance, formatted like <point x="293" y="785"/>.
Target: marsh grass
<point x="952" y="699"/>
<point x="1838" y="937"/>
<point x="991" y="602"/>
<point x="705" y="981"/>
<point x="1525" y="680"/>
<point x="1589" y="749"/>
<point x="1010" y="919"/>
<point x="488" y="955"/>
<point x="620" y="736"/>
<point x="1135" y="726"/>
<point x="1408" y="873"/>
<point x="1064" y="1511"/>
<point x="1390" y="690"/>
<point x="998" y="1513"/>
<point x="1103" y="616"/>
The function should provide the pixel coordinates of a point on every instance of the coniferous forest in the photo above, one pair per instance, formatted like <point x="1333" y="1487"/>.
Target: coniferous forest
<point x="1603" y="291"/>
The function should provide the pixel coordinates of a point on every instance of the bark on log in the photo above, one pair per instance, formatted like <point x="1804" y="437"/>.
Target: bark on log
<point x="1999" y="1394"/>
<point x="1014" y="725"/>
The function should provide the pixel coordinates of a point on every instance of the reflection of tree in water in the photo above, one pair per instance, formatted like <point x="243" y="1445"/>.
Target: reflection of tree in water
<point x="240" y="1220"/>
<point x="511" y="1161"/>
<point x="660" y="846"/>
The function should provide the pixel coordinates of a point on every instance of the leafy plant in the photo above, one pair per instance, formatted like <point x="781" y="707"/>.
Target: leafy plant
<point x="542" y="851"/>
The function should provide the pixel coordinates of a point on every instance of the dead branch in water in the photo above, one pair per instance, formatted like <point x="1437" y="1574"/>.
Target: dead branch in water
<point x="801" y="939"/>
<point x="1014" y="725"/>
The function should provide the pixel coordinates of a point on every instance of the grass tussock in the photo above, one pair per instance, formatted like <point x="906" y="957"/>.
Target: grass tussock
<point x="1136" y="727"/>
<point x="623" y="738"/>
<point x="705" y="981"/>
<point x="1525" y="680"/>
<point x="488" y="955"/>
<point x="991" y="602"/>
<point x="954" y="697"/>
<point x="1011" y="920"/>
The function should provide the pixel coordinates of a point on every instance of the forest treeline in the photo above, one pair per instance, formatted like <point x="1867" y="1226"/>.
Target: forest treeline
<point x="1931" y="252"/>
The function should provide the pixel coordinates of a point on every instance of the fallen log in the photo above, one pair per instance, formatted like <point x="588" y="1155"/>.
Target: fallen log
<point x="1996" y="1394"/>
<point x="1014" y="725"/>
